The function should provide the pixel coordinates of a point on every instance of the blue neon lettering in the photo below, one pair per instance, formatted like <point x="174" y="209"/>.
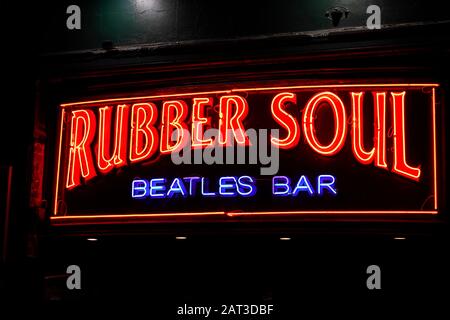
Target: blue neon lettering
<point x="139" y="188"/>
<point x="192" y="181"/>
<point x="177" y="187"/>
<point x="326" y="181"/>
<point x="154" y="188"/>
<point x="206" y="193"/>
<point x="227" y="183"/>
<point x="249" y="185"/>
<point x="280" y="188"/>
<point x="229" y="186"/>
<point x="302" y="185"/>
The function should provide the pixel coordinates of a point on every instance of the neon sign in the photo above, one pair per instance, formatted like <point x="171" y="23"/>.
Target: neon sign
<point x="190" y="186"/>
<point x="355" y="129"/>
<point x="230" y="186"/>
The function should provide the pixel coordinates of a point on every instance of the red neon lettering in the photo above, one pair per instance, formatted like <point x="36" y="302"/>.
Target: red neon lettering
<point x="81" y="163"/>
<point x="285" y="120"/>
<point x="232" y="120"/>
<point x="173" y="115"/>
<point x="143" y="136"/>
<point x="339" y="118"/>
<point x="198" y="121"/>
<point x="400" y="165"/>
<point x="380" y="132"/>
<point x="360" y="154"/>
<point x="105" y="160"/>
<point x="112" y="146"/>
<point x="378" y="152"/>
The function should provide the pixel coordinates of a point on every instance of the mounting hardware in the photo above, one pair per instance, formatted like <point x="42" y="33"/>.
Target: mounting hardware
<point x="335" y="14"/>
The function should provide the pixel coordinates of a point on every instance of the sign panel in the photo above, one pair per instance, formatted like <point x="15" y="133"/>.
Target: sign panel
<point x="291" y="150"/>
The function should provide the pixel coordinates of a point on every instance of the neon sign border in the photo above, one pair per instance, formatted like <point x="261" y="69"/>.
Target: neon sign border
<point x="146" y="216"/>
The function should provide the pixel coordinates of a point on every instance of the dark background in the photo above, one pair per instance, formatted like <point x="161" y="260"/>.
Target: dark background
<point x="322" y="269"/>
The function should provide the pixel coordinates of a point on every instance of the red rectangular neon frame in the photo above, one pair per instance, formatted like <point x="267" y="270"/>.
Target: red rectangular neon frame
<point x="82" y="219"/>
